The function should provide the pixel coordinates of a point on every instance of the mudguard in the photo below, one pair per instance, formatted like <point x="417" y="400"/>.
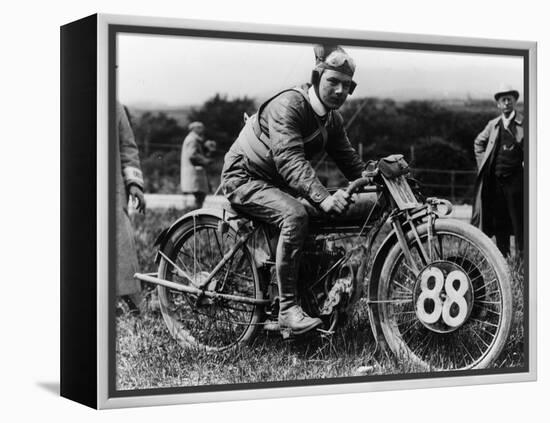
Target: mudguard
<point x="374" y="279"/>
<point x="165" y="235"/>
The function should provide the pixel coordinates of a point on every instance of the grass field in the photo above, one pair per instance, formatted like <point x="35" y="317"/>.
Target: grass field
<point x="148" y="357"/>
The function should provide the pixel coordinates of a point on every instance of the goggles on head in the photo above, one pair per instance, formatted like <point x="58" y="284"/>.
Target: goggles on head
<point x="340" y="59"/>
<point x="335" y="58"/>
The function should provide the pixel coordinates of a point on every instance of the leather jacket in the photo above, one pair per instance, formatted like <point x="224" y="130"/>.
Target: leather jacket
<point x="286" y="121"/>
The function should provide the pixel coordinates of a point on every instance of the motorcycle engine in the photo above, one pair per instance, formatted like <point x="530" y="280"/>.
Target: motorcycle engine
<point x="342" y="291"/>
<point x="331" y="275"/>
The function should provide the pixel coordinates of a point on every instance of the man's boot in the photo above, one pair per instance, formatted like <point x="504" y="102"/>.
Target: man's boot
<point x="291" y="239"/>
<point x="291" y="316"/>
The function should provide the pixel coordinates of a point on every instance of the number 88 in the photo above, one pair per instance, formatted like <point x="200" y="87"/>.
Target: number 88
<point x="443" y="308"/>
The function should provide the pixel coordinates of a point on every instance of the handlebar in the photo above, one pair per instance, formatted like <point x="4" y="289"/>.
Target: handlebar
<point x="366" y="180"/>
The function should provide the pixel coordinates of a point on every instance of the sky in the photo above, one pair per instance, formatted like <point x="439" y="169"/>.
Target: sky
<point x="159" y="70"/>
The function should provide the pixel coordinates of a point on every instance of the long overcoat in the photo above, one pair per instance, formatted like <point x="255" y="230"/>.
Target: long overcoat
<point x="484" y="146"/>
<point x="193" y="165"/>
<point x="128" y="172"/>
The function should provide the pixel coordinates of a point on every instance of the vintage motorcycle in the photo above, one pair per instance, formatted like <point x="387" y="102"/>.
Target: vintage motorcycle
<point x="438" y="293"/>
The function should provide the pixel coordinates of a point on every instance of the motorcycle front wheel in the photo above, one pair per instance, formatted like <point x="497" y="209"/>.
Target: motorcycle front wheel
<point x="213" y="324"/>
<point x="452" y="308"/>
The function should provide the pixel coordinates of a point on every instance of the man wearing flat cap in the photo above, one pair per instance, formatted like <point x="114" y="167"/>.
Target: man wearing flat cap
<point x="268" y="175"/>
<point x="194" y="160"/>
<point x="498" y="202"/>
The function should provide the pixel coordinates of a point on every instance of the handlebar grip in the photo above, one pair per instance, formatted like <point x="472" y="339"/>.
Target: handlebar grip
<point x="358" y="184"/>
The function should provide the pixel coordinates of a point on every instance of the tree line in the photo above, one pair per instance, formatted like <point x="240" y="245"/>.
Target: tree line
<point x="430" y="134"/>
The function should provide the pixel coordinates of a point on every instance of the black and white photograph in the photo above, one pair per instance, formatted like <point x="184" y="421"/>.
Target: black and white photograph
<point x="275" y="211"/>
<point x="312" y="210"/>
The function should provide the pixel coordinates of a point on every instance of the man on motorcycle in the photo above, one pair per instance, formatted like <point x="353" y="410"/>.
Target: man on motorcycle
<point x="268" y="175"/>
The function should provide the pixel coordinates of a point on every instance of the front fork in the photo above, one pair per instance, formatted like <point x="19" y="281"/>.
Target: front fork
<point x="427" y="253"/>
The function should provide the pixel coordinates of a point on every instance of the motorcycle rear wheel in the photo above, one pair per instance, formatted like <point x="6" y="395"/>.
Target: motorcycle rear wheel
<point x="474" y="344"/>
<point x="212" y="324"/>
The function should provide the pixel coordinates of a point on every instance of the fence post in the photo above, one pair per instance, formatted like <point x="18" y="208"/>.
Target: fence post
<point x="453" y="185"/>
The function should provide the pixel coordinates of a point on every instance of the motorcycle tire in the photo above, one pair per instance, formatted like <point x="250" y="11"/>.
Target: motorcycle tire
<point x="211" y="324"/>
<point x="407" y="308"/>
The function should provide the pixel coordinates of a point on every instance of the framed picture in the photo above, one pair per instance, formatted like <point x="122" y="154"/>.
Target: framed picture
<point x="254" y="211"/>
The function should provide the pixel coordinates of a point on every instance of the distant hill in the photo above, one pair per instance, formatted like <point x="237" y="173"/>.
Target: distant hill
<point x="178" y="113"/>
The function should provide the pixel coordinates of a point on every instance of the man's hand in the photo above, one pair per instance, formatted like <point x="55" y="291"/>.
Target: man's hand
<point x="370" y="169"/>
<point x="210" y="145"/>
<point x="371" y="166"/>
<point x="337" y="203"/>
<point x="137" y="198"/>
<point x="210" y="148"/>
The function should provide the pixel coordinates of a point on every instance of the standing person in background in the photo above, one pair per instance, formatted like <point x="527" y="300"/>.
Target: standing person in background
<point x="194" y="179"/>
<point x="129" y="185"/>
<point x="498" y="202"/>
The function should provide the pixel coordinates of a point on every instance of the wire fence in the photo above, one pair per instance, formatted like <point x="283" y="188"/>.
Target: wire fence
<point x="454" y="185"/>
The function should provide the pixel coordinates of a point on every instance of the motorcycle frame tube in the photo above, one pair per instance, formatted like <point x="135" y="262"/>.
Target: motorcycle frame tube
<point x="199" y="292"/>
<point x="396" y="224"/>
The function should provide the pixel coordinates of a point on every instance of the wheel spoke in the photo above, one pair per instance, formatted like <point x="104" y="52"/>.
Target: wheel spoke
<point x="410" y="327"/>
<point x="412" y="272"/>
<point x="484" y="322"/>
<point x="425" y="343"/>
<point x="220" y="249"/>
<point x="485" y="285"/>
<point x="179" y="261"/>
<point x="407" y="321"/>
<point x="487" y="332"/>
<point x="487" y="302"/>
<point x="487" y="294"/>
<point x="401" y="286"/>
<point x="467" y="350"/>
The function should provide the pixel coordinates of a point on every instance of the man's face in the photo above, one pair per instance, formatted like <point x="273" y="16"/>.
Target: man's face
<point x="334" y="88"/>
<point x="506" y="104"/>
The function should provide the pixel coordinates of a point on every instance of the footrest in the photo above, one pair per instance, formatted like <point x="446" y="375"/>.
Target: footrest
<point x="287" y="334"/>
<point x="272" y="326"/>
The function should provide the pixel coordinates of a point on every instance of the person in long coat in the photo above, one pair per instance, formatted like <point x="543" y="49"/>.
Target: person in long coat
<point x="129" y="184"/>
<point x="194" y="179"/>
<point x="498" y="201"/>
